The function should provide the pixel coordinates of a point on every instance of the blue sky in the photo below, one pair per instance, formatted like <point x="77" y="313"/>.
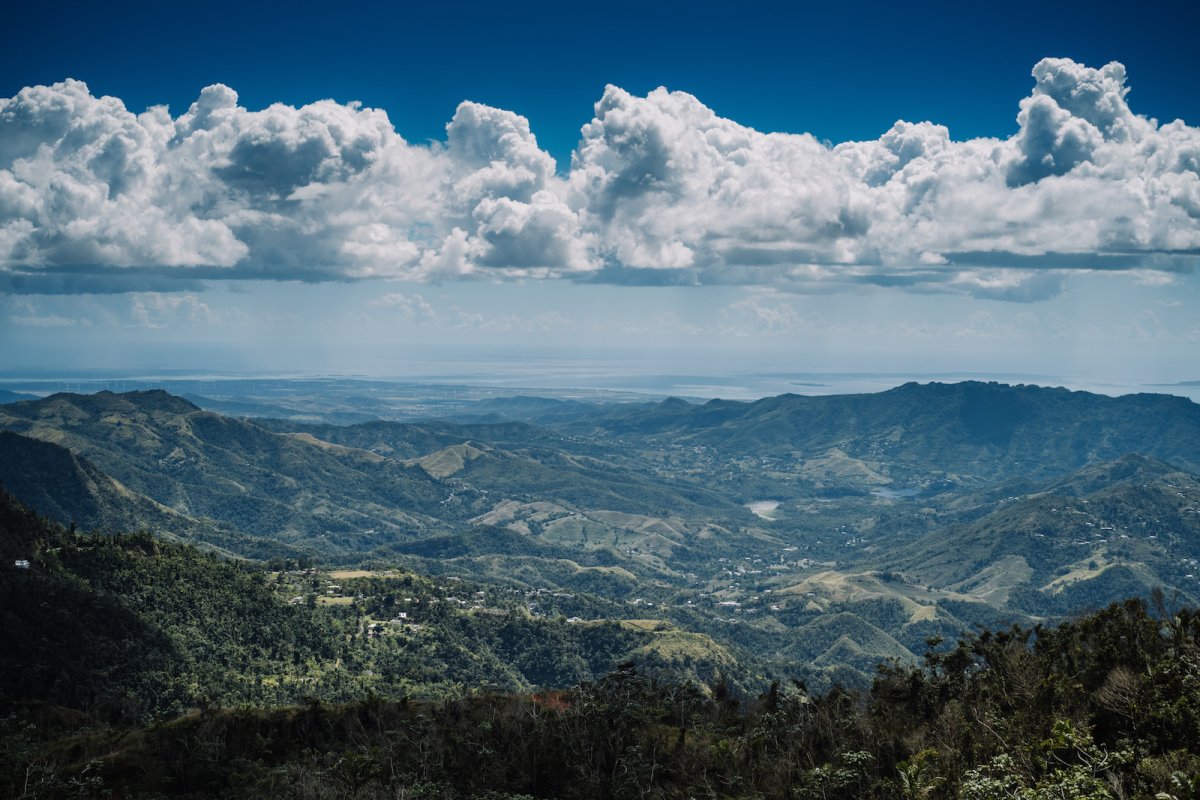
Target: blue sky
<point x="838" y="70"/>
<point x="1043" y="224"/>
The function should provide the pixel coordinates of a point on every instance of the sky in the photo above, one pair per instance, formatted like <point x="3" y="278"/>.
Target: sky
<point x="695" y="188"/>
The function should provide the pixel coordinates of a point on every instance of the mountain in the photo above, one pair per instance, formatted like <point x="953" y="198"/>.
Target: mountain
<point x="291" y="489"/>
<point x="971" y="432"/>
<point x="71" y="490"/>
<point x="878" y="520"/>
<point x="345" y="491"/>
<point x="1111" y="529"/>
<point x="7" y="396"/>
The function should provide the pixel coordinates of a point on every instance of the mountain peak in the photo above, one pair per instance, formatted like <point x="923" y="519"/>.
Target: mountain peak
<point x="106" y="401"/>
<point x="157" y="400"/>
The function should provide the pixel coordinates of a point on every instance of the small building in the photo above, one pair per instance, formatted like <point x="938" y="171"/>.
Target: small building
<point x="21" y="563"/>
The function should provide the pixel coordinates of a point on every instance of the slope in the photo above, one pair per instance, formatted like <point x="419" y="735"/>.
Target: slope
<point x="290" y="489"/>
<point x="972" y="432"/>
<point x="1121" y="526"/>
<point x="71" y="490"/>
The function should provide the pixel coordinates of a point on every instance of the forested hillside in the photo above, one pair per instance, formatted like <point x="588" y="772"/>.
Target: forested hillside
<point x="1105" y="707"/>
<point x="131" y="627"/>
<point x="970" y="431"/>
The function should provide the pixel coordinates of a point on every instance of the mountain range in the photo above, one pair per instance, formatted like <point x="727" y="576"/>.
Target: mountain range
<point x="811" y="535"/>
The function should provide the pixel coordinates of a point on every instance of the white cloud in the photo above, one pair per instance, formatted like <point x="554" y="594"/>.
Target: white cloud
<point x="757" y="315"/>
<point x="660" y="190"/>
<point x="24" y="313"/>
<point x="1147" y="277"/>
<point x="412" y="307"/>
<point x="158" y="310"/>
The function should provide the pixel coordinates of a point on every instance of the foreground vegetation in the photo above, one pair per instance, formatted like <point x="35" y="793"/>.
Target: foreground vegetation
<point x="1107" y="706"/>
<point x="133" y="667"/>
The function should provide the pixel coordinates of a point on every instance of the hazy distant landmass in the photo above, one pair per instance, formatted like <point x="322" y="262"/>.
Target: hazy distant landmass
<point x="12" y="397"/>
<point x="357" y="398"/>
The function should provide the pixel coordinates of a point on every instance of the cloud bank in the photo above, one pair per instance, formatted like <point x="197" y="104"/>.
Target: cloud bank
<point x="94" y="197"/>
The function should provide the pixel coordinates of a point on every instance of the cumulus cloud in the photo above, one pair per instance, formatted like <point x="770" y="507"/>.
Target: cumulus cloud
<point x="660" y="190"/>
<point x="22" y="312"/>
<point x="412" y="307"/>
<point x="323" y="191"/>
<point x="158" y="310"/>
<point x="757" y="315"/>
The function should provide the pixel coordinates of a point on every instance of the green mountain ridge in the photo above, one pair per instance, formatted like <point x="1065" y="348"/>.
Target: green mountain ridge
<point x="263" y="483"/>
<point x="980" y="431"/>
<point x="72" y="490"/>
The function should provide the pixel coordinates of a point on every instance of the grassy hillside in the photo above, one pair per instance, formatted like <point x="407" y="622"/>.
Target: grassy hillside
<point x="1133" y="512"/>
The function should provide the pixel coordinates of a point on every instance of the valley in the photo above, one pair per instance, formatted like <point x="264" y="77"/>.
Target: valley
<point x="894" y="519"/>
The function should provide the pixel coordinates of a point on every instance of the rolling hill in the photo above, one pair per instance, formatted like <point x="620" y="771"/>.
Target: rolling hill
<point x="71" y="490"/>
<point x="344" y="492"/>
<point x="203" y="465"/>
